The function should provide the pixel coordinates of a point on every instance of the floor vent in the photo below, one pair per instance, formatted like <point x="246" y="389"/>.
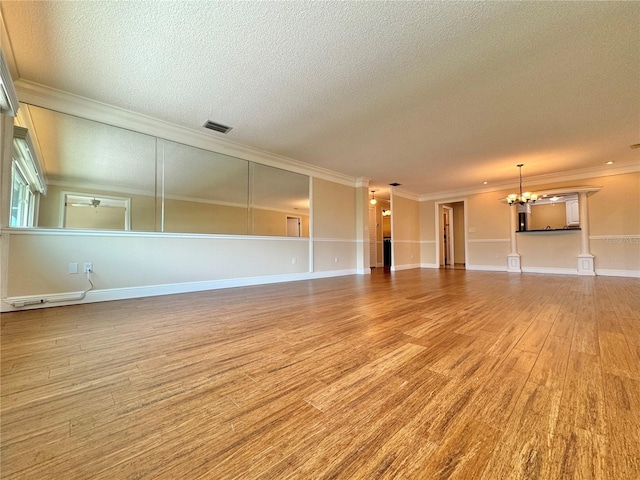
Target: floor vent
<point x="218" y="127"/>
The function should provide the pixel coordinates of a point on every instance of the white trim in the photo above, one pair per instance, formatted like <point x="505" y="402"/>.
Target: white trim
<point x="551" y="270"/>
<point x="465" y="211"/>
<point x="407" y="241"/>
<point x="364" y="271"/>
<point x="408" y="266"/>
<point x="362" y="182"/>
<point x="610" y="272"/>
<point x="122" y="233"/>
<point x="513" y="263"/>
<point x="489" y="240"/>
<point x="487" y="268"/>
<point x="64" y="102"/>
<point x="344" y="240"/>
<point x="428" y="242"/>
<point x="156" y="290"/>
<point x="429" y="265"/>
<point x="407" y="195"/>
<point x="615" y="238"/>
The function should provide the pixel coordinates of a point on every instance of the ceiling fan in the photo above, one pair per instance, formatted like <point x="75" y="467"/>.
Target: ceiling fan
<point x="94" y="202"/>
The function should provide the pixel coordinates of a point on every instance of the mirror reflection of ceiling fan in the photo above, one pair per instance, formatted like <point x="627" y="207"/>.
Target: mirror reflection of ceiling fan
<point x="77" y="201"/>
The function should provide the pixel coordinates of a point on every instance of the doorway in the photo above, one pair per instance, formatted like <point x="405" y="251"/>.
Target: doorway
<point x="451" y="242"/>
<point x="448" y="252"/>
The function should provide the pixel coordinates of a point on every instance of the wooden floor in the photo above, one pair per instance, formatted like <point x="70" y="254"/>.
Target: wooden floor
<point x="428" y="374"/>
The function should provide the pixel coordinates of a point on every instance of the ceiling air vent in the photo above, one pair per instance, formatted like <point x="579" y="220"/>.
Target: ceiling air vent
<point x="218" y="127"/>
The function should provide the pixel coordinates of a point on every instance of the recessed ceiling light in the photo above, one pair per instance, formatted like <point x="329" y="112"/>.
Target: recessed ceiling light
<point x="484" y="183"/>
<point x="610" y="162"/>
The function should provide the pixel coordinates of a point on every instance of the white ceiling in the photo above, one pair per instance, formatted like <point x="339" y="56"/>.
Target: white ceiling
<point x="438" y="96"/>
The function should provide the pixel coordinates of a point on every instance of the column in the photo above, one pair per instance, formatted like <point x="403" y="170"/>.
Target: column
<point x="585" y="259"/>
<point x="513" y="259"/>
<point x="362" y="226"/>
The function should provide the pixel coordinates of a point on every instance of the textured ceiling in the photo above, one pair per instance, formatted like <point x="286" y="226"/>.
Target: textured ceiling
<point x="438" y="96"/>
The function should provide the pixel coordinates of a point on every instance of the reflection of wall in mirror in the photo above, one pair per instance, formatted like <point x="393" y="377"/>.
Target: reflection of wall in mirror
<point x="95" y="218"/>
<point x="270" y="222"/>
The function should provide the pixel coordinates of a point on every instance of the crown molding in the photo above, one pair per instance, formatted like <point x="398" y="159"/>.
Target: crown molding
<point x="404" y="194"/>
<point x="362" y="182"/>
<point x="582" y="174"/>
<point x="64" y="102"/>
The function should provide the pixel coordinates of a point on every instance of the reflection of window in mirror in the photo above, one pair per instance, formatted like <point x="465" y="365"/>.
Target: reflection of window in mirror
<point x="95" y="212"/>
<point x="555" y="212"/>
<point x="27" y="180"/>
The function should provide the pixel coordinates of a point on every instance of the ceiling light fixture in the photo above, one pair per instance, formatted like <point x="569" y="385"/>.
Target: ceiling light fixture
<point x="523" y="198"/>
<point x="373" y="200"/>
<point x="386" y="213"/>
<point x="610" y="162"/>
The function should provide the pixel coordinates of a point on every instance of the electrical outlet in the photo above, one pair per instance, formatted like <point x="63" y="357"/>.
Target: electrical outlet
<point x="294" y="260"/>
<point x="88" y="267"/>
<point x="335" y="260"/>
<point x="73" y="268"/>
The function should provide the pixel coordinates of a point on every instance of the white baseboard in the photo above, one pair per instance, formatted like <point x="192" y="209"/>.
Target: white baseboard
<point x="551" y="270"/>
<point x="429" y="265"/>
<point x="409" y="266"/>
<point x="609" y="272"/>
<point x="487" y="268"/>
<point x="71" y="298"/>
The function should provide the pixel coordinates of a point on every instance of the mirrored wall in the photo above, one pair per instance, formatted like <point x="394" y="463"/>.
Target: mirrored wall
<point x="102" y="177"/>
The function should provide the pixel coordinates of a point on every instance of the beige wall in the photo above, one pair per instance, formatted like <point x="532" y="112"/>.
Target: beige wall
<point x="614" y="219"/>
<point x="549" y="250"/>
<point x="112" y="218"/>
<point x="38" y="263"/>
<point x="405" y="232"/>
<point x="334" y="226"/>
<point x="427" y="234"/>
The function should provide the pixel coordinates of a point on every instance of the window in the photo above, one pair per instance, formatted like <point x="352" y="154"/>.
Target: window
<point x="26" y="180"/>
<point x="22" y="199"/>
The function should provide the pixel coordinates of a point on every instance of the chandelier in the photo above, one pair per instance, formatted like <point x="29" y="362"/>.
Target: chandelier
<point x="523" y="198"/>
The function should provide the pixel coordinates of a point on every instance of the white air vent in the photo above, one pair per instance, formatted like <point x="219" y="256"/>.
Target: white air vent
<point x="8" y="97"/>
<point x="218" y="127"/>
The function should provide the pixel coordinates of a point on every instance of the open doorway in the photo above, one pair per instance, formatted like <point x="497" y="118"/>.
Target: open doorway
<point x="452" y="243"/>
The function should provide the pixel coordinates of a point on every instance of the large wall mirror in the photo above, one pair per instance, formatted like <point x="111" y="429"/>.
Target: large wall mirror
<point x="97" y="176"/>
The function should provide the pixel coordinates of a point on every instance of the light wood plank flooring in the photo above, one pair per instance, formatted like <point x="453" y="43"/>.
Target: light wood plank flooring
<point x="430" y="374"/>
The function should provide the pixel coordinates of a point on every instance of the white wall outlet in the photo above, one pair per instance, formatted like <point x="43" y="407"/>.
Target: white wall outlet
<point x="294" y="260"/>
<point x="335" y="260"/>
<point x="88" y="267"/>
<point x="73" y="268"/>
<point x="472" y="229"/>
